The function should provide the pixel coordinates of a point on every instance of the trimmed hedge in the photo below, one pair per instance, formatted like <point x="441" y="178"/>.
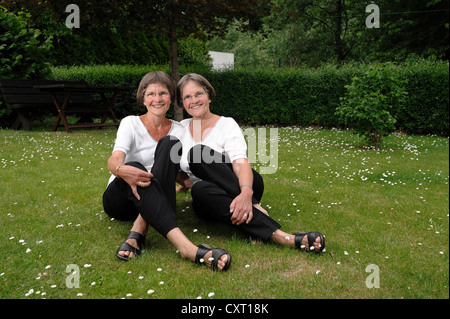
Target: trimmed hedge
<point x="292" y="97"/>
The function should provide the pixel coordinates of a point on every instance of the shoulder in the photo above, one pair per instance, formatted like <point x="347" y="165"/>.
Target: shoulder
<point x="228" y="122"/>
<point x="177" y="129"/>
<point x="185" y="122"/>
<point x="176" y="124"/>
<point x="129" y="120"/>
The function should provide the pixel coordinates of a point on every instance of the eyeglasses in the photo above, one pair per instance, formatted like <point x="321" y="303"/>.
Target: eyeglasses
<point x="188" y="98"/>
<point x="153" y="95"/>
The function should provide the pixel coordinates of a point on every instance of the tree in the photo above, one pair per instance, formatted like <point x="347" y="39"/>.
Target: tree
<point x="414" y="27"/>
<point x="174" y="19"/>
<point x="181" y="18"/>
<point x="318" y="26"/>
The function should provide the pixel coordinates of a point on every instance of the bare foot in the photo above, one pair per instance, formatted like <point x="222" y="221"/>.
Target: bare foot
<point x="283" y="238"/>
<point x="140" y="226"/>
<point x="127" y="253"/>
<point x="220" y="263"/>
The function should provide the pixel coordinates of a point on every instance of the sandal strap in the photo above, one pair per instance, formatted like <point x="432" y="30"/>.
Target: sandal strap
<point x="127" y="247"/>
<point x="216" y="254"/>
<point x="298" y="237"/>
<point x="140" y="239"/>
<point x="201" y="252"/>
<point x="311" y="236"/>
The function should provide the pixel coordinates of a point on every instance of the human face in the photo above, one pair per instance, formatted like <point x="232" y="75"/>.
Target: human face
<point x="195" y="100"/>
<point x="157" y="99"/>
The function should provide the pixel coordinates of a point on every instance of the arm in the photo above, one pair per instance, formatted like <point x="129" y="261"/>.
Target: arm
<point x="131" y="175"/>
<point x="242" y="204"/>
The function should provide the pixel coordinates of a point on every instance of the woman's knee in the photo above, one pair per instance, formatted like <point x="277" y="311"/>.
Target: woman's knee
<point x="122" y="210"/>
<point x="170" y="145"/>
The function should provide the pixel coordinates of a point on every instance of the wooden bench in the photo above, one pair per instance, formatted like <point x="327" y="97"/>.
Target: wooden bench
<point x="69" y="97"/>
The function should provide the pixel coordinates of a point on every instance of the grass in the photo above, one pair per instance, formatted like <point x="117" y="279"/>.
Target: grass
<point x="388" y="208"/>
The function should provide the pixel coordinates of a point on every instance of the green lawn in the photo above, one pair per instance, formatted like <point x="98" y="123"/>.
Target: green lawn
<point x="387" y="208"/>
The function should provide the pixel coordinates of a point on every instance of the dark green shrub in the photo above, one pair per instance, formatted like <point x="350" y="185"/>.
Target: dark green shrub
<point x="294" y="97"/>
<point x="23" y="51"/>
<point x="427" y="111"/>
<point x="368" y="104"/>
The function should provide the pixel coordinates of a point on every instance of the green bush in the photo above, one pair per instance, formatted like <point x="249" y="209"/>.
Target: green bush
<point x="23" y="52"/>
<point x="285" y="97"/>
<point x="107" y="46"/>
<point x="427" y="111"/>
<point x="293" y="97"/>
<point x="369" y="101"/>
<point x="113" y="75"/>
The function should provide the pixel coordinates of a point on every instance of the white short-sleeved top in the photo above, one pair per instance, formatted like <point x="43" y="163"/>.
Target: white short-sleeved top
<point x="136" y="142"/>
<point x="225" y="137"/>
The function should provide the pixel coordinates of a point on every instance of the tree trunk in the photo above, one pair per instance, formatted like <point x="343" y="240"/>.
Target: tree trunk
<point x="339" y="46"/>
<point x="174" y="65"/>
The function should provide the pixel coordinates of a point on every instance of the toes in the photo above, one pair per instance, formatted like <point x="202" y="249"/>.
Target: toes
<point x="208" y="258"/>
<point x="126" y="253"/>
<point x="222" y="262"/>
<point x="318" y="243"/>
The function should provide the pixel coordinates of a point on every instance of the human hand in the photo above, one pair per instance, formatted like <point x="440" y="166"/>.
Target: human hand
<point x="135" y="177"/>
<point x="181" y="189"/>
<point x="241" y="208"/>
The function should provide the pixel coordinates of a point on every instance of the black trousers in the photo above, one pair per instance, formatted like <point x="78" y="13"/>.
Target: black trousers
<point x="213" y="195"/>
<point x="158" y="201"/>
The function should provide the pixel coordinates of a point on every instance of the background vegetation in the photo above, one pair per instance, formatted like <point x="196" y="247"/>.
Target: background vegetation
<point x="299" y="96"/>
<point x="294" y="59"/>
<point x="297" y="63"/>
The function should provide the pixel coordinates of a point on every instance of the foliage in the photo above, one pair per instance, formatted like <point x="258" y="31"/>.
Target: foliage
<point x="192" y="51"/>
<point x="117" y="75"/>
<point x="413" y="27"/>
<point x="23" y="49"/>
<point x="368" y="104"/>
<point x="311" y="32"/>
<point x="298" y="97"/>
<point x="428" y="102"/>
<point x="250" y="49"/>
<point x="107" y="46"/>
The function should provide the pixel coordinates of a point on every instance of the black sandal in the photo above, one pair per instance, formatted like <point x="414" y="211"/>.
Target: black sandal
<point x="311" y="239"/>
<point x="216" y="254"/>
<point x="140" y="239"/>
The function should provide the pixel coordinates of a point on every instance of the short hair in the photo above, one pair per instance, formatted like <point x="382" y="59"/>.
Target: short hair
<point x="200" y="80"/>
<point x="152" y="78"/>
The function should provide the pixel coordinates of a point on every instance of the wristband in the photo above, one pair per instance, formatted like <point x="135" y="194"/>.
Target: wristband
<point x="117" y="168"/>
